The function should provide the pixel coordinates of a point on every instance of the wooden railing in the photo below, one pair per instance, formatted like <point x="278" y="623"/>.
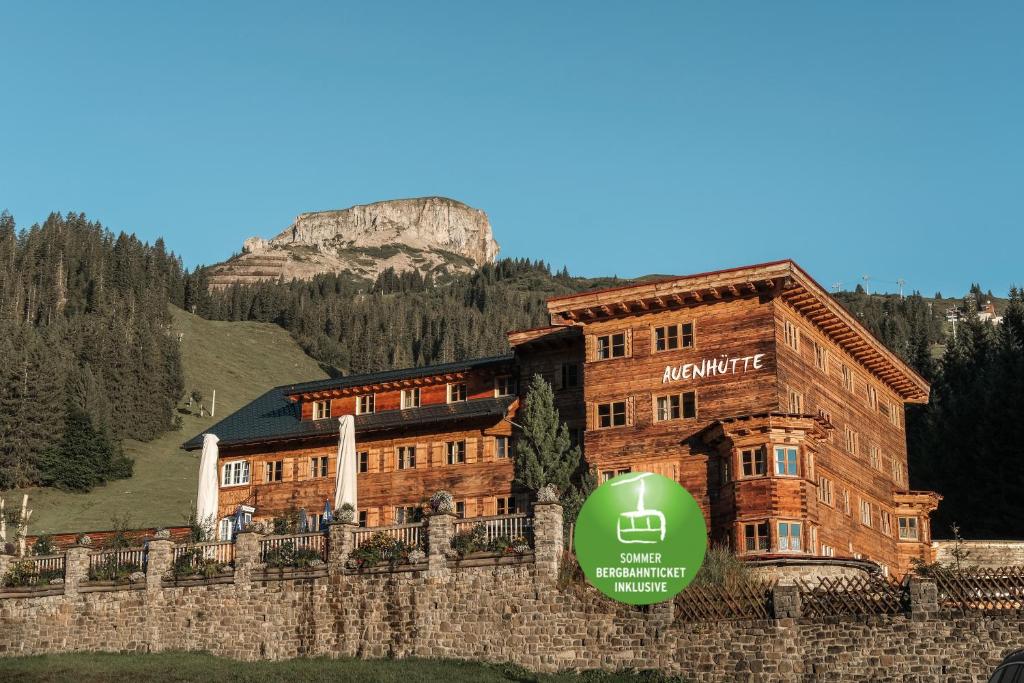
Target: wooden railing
<point x="987" y="590"/>
<point x="124" y="557"/>
<point x="731" y="600"/>
<point x="220" y="552"/>
<point x="410" y="534"/>
<point x="278" y="546"/>
<point x="48" y="565"/>
<point x="852" y="595"/>
<point x="510" y="526"/>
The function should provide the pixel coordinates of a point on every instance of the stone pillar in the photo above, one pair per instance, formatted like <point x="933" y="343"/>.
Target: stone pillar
<point x="786" y="599"/>
<point x="547" y="540"/>
<point x="76" y="568"/>
<point x="159" y="558"/>
<point x="340" y="543"/>
<point x="247" y="556"/>
<point x="924" y="597"/>
<point x="440" y="527"/>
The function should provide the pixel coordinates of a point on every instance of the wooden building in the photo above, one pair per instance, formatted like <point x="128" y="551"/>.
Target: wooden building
<point x="752" y="387"/>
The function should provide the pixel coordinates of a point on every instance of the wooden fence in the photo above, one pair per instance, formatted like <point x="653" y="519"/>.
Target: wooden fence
<point x="852" y="595"/>
<point x="221" y="552"/>
<point x="46" y="568"/>
<point x="123" y="558"/>
<point x="276" y="545"/>
<point x="509" y="526"/>
<point x="732" y="600"/>
<point x="989" y="590"/>
<point x="410" y="534"/>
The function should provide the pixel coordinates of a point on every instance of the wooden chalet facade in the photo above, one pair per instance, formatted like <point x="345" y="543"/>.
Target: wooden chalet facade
<point x="752" y="387"/>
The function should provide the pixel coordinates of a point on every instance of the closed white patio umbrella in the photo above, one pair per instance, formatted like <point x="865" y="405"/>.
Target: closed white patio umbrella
<point x="345" y="483"/>
<point x="209" y="486"/>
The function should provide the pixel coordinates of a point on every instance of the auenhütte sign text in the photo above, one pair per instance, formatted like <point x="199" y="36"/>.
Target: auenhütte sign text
<point x="711" y="367"/>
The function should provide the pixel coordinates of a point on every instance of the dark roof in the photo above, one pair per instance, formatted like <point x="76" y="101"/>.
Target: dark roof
<point x="274" y="417"/>
<point x="394" y="375"/>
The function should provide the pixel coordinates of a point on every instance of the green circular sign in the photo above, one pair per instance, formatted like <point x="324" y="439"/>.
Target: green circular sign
<point x="640" y="538"/>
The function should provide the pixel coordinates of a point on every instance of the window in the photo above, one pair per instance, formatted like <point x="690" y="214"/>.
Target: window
<point x="365" y="404"/>
<point x="875" y="457"/>
<point x="275" y="470"/>
<point x="507" y="505"/>
<point x="754" y="461"/>
<point x="885" y="409"/>
<point x="825" y="491"/>
<point x="865" y="513"/>
<point x="846" y="501"/>
<point x="608" y="474"/>
<point x="796" y="402"/>
<point x="235" y="473"/>
<point x="570" y="375"/>
<point x="460" y="509"/>
<point x="755" y="536"/>
<point x="847" y="378"/>
<point x="826" y="417"/>
<point x="669" y="337"/>
<point x="789" y="536"/>
<point x="405" y="457"/>
<point x="611" y="346"/>
<point x="899" y="472"/>
<point x="894" y="416"/>
<point x="886" y="523"/>
<point x="410" y="398"/>
<point x="872" y="397"/>
<point x="407" y="514"/>
<point x="504" y="386"/>
<point x="821" y="357"/>
<point x="457" y="392"/>
<point x="321" y="410"/>
<point x="676" y="406"/>
<point x="785" y="461"/>
<point x="362" y="518"/>
<point x="908" y="528"/>
<point x="827" y="550"/>
<point x="611" y="414"/>
<point x="456" y="452"/>
<point x="318" y="466"/>
<point x="226" y="529"/>
<point x="502" y="447"/>
<point x="852" y="439"/>
<point x="364" y="461"/>
<point x="791" y="335"/>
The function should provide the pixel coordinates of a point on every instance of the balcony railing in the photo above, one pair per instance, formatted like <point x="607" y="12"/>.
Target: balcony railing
<point x="410" y="534"/>
<point x="107" y="565"/>
<point x="196" y="556"/>
<point x="294" y="549"/>
<point x="498" y="526"/>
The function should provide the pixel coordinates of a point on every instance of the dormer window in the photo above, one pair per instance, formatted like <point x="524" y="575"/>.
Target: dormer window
<point x="365" y="404"/>
<point x="410" y="398"/>
<point x="504" y="386"/>
<point x="321" y="410"/>
<point x="457" y="392"/>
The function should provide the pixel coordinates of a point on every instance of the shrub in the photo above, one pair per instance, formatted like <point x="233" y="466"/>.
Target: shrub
<point x="381" y="548"/>
<point x="193" y="562"/>
<point x="113" y="569"/>
<point x="23" y="573"/>
<point x="44" y="545"/>
<point x="471" y="540"/>
<point x="287" y="555"/>
<point x="722" y="567"/>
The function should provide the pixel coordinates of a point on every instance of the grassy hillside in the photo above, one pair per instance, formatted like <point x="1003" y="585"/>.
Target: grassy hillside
<point x="240" y="360"/>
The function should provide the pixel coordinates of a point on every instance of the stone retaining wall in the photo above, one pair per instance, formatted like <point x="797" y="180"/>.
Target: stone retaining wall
<point x="500" y="612"/>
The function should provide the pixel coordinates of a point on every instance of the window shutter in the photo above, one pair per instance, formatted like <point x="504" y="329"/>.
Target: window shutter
<point x="471" y="454"/>
<point x="629" y="342"/>
<point x="591" y="345"/>
<point x="422" y="455"/>
<point x="630" y="410"/>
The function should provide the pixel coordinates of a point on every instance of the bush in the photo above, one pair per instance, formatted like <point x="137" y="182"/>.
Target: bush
<point x="193" y="562"/>
<point x="287" y="555"/>
<point x="44" y="545"/>
<point x="381" y="548"/>
<point x="722" y="567"/>
<point x="23" y="573"/>
<point x="471" y="540"/>
<point x="113" y="569"/>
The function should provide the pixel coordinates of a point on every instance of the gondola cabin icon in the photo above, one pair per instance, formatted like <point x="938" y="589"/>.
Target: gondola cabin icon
<point x="640" y="525"/>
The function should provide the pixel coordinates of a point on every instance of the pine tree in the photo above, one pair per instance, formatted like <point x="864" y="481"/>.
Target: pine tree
<point x="544" y="453"/>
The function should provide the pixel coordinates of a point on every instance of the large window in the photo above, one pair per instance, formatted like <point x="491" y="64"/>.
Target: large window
<point x="786" y="461"/>
<point x="502" y="447"/>
<point x="457" y="392"/>
<point x="676" y="406"/>
<point x="275" y="471"/>
<point x="411" y="398"/>
<point x="321" y="410"/>
<point x="365" y="404"/>
<point x="235" y="473"/>
<point x="754" y="462"/>
<point x="611" y="346"/>
<point x="456" y="452"/>
<point x="789" y="536"/>
<point x="406" y="457"/>
<point x="755" y="536"/>
<point x="318" y="466"/>
<point x="611" y="414"/>
<point x="669" y="337"/>
<point x="908" y="528"/>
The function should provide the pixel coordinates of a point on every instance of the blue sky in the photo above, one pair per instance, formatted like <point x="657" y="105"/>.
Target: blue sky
<point x="880" y="138"/>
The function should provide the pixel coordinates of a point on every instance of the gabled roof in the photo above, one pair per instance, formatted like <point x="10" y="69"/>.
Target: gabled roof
<point x="784" y="279"/>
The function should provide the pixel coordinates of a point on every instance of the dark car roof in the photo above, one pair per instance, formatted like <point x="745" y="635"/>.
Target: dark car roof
<point x="273" y="416"/>
<point x="1014" y="658"/>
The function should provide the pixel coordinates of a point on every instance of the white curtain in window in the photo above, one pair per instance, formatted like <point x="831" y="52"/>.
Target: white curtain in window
<point x="345" y="484"/>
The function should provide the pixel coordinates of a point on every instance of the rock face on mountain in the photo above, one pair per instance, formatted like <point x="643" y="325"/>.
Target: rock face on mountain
<point x="429" y="234"/>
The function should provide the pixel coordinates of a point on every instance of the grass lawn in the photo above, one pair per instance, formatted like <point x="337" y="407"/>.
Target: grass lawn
<point x="101" y="668"/>
<point x="241" y="360"/>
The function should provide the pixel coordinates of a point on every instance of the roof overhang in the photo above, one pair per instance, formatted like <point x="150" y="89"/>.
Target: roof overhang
<point x="783" y="280"/>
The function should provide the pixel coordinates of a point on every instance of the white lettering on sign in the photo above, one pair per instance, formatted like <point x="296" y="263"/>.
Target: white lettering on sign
<point x="710" y="367"/>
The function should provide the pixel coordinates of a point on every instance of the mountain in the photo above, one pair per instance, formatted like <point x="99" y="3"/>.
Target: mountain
<point x="427" y="235"/>
<point x="240" y="360"/>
